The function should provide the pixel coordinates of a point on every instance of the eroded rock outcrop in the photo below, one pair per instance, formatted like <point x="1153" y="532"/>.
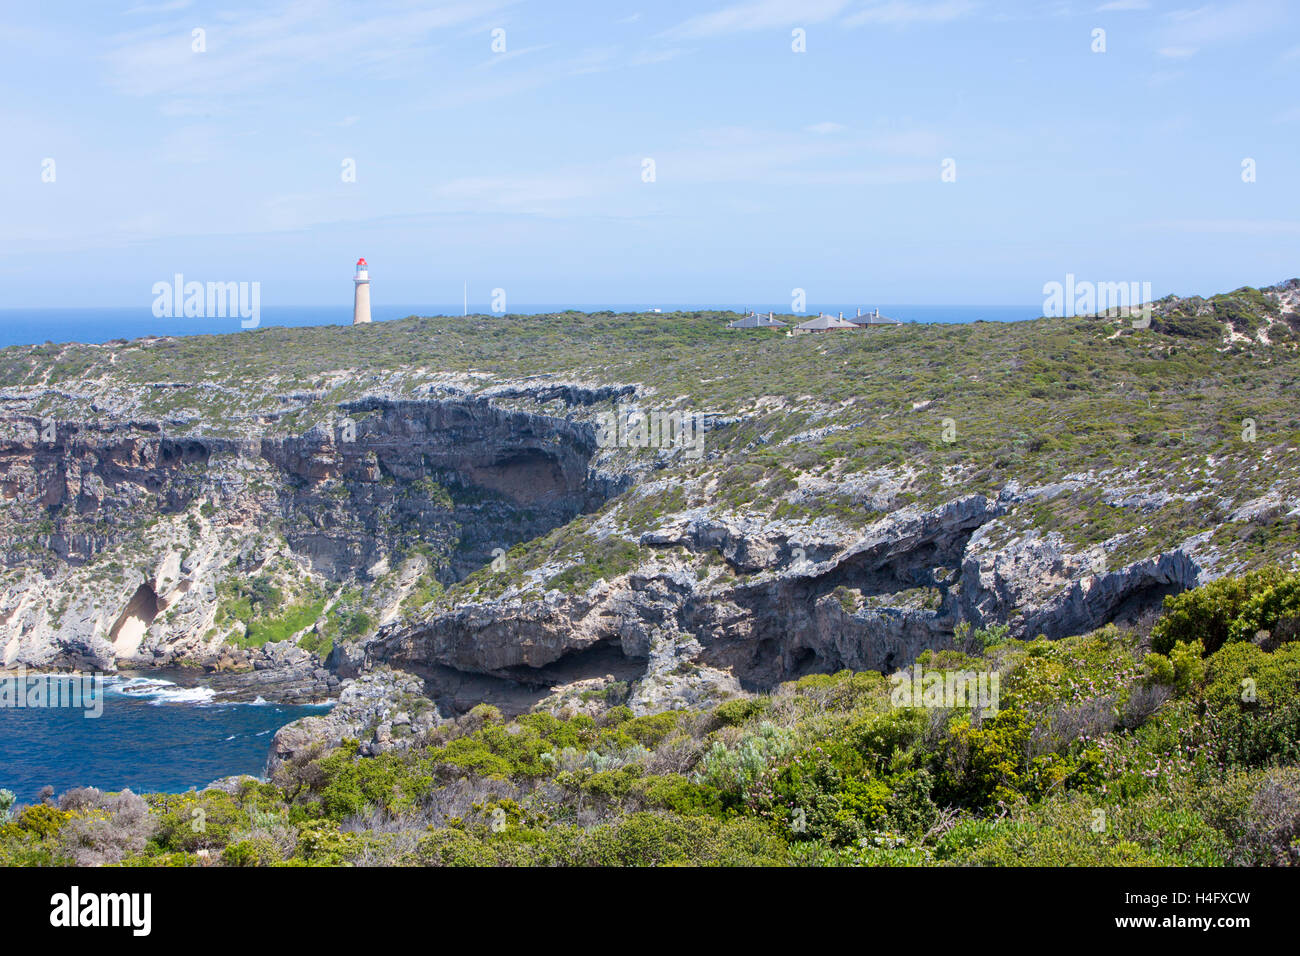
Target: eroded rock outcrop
<point x="1036" y="585"/>
<point x="383" y="710"/>
<point x="801" y="601"/>
<point x="459" y="479"/>
<point x="136" y="529"/>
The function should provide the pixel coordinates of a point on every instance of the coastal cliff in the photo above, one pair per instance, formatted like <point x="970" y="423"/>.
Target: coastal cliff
<point x="410" y="498"/>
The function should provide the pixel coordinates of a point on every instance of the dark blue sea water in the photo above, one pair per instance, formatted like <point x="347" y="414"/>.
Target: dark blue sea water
<point x="94" y="325"/>
<point x="154" y="735"/>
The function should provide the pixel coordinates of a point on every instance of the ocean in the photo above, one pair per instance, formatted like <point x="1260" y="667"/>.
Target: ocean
<point x="98" y="325"/>
<point x="161" y="733"/>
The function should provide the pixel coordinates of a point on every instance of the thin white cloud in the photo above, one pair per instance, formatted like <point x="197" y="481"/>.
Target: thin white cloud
<point x="731" y="155"/>
<point x="594" y="60"/>
<point x="903" y="12"/>
<point x="246" y="52"/>
<point x="1118" y="5"/>
<point x="758" y="15"/>
<point x="519" y="192"/>
<point x="824" y="128"/>
<point x="1189" y="31"/>
<point x="446" y="96"/>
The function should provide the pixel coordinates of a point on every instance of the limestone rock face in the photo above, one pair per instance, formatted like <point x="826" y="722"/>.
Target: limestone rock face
<point x="147" y="526"/>
<point x="382" y="710"/>
<point x="281" y="672"/>
<point x="1036" y="585"/>
<point x="871" y="601"/>
<point x="123" y="538"/>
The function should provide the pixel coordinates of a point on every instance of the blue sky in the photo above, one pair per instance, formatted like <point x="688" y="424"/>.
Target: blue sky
<point x="522" y="169"/>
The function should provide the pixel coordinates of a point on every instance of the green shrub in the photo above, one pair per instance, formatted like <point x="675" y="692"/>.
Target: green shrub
<point x="194" y="821"/>
<point x="42" y="820"/>
<point x="1208" y="613"/>
<point x="1252" y="704"/>
<point x="911" y="809"/>
<point x="322" y="843"/>
<point x="889" y="742"/>
<point x="734" y="771"/>
<point x="681" y="796"/>
<point x="605" y="558"/>
<point x="261" y="851"/>
<point x="826" y="793"/>
<point x="454" y="848"/>
<point x="733" y="713"/>
<point x="344" y="784"/>
<point x="658" y="839"/>
<point x="1184" y="667"/>
<point x="1275" y="609"/>
<point x="979" y="766"/>
<point x="282" y="626"/>
<point x="641" y="839"/>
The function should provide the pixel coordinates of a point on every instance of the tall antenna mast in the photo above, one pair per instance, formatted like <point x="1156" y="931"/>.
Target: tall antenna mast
<point x="466" y="312"/>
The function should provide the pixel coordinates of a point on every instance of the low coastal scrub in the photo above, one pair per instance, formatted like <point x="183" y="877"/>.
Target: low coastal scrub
<point x="1099" y="751"/>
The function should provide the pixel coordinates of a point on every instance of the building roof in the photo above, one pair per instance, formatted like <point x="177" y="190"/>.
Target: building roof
<point x="756" y="321"/>
<point x="873" y="318"/>
<point x="824" y="323"/>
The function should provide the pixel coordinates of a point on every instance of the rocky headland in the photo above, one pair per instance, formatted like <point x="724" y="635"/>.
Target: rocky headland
<point x="413" y="519"/>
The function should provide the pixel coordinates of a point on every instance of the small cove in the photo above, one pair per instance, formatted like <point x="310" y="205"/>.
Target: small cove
<point x="158" y="732"/>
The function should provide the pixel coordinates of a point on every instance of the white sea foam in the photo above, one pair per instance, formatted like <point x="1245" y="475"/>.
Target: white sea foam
<point x="183" y="695"/>
<point x="158" y="691"/>
<point x="136" y="686"/>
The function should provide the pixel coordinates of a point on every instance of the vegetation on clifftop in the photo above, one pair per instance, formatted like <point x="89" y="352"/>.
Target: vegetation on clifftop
<point x="1098" y="752"/>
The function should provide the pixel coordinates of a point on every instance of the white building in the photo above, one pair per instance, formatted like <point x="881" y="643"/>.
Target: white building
<point x="361" y="297"/>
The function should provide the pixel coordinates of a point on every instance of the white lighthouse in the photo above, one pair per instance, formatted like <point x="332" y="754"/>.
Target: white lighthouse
<point x="361" y="300"/>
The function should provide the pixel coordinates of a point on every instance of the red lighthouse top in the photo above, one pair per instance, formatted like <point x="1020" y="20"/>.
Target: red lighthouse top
<point x="361" y="263"/>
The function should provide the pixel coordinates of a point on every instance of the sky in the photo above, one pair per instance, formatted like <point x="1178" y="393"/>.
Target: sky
<point x="626" y="152"/>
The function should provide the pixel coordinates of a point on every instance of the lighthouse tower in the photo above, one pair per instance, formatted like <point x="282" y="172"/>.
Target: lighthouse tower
<point x="361" y="300"/>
